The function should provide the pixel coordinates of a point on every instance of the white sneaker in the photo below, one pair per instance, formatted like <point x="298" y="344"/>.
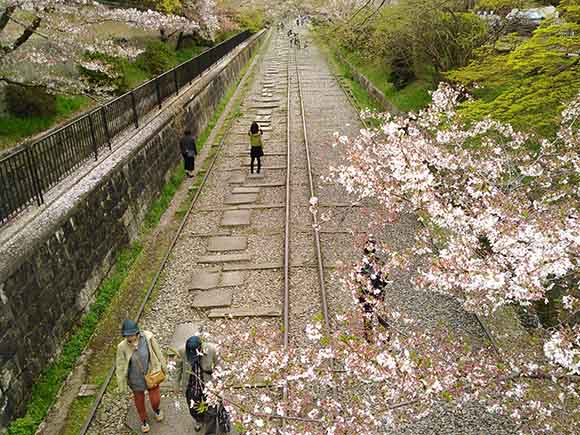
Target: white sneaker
<point x="145" y="427"/>
<point x="159" y="416"/>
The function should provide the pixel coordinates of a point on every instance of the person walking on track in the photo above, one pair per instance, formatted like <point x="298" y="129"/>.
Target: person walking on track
<point x="197" y="365"/>
<point x="256" y="146"/>
<point x="188" y="151"/>
<point x="140" y="366"/>
<point x="372" y="289"/>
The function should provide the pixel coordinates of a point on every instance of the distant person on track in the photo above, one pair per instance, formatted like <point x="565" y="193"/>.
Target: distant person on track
<point x="372" y="288"/>
<point x="140" y="366"/>
<point x="197" y="366"/>
<point x="188" y="151"/>
<point x="256" y="146"/>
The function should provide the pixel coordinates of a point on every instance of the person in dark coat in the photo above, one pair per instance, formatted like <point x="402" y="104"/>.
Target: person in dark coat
<point x="198" y="363"/>
<point x="256" y="146"/>
<point x="372" y="289"/>
<point x="188" y="151"/>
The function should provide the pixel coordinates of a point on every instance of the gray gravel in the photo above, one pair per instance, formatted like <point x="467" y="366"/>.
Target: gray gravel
<point x="327" y="110"/>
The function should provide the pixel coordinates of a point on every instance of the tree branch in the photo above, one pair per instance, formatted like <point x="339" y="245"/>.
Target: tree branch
<point x="13" y="82"/>
<point x="6" y="17"/>
<point x="25" y="36"/>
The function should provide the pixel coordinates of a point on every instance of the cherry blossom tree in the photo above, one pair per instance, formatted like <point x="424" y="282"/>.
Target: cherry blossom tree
<point x="53" y="34"/>
<point x="498" y="226"/>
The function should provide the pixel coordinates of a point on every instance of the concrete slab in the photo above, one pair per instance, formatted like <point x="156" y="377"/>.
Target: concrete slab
<point x="264" y="112"/>
<point x="243" y="207"/>
<point x="237" y="179"/>
<point x="255" y="176"/>
<point x="213" y="298"/>
<point x="232" y="279"/>
<point x="276" y="168"/>
<point x="266" y="106"/>
<point x="238" y="190"/>
<point x="177" y="419"/>
<point x="245" y="312"/>
<point x="217" y="244"/>
<point x="229" y="258"/>
<point x="88" y="390"/>
<point x="243" y="198"/>
<point x="259" y="266"/>
<point x="204" y="280"/>
<point x="265" y="185"/>
<point x="182" y="332"/>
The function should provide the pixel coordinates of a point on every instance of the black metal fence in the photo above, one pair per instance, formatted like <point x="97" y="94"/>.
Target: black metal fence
<point x="31" y="171"/>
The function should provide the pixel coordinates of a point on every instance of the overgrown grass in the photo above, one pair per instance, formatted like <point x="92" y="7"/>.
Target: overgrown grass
<point x="412" y="97"/>
<point x="13" y="128"/>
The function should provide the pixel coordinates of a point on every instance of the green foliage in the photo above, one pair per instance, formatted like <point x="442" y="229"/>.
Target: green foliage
<point x="411" y="97"/>
<point x="24" y="101"/>
<point x="501" y="7"/>
<point x="168" y="6"/>
<point x="15" y="128"/>
<point x="157" y="58"/>
<point x="162" y="203"/>
<point x="46" y="388"/>
<point x="529" y="86"/>
<point x="570" y="10"/>
<point x="252" y="19"/>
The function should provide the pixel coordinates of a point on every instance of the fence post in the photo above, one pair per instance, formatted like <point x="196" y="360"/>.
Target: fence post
<point x="34" y="176"/>
<point x="106" y="126"/>
<point x="176" y="82"/>
<point x="93" y="136"/>
<point x="158" y="91"/>
<point x="135" y="115"/>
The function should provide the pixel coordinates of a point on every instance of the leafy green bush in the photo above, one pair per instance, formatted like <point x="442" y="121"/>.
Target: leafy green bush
<point x="501" y="7"/>
<point x="570" y="10"/>
<point x="24" y="101"/>
<point x="529" y="86"/>
<point x="252" y="19"/>
<point x="157" y="58"/>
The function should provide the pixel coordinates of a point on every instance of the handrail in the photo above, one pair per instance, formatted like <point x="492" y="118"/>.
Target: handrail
<point x="30" y="171"/>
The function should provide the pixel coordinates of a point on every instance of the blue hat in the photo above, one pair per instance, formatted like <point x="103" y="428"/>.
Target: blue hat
<point x="129" y="328"/>
<point x="192" y="344"/>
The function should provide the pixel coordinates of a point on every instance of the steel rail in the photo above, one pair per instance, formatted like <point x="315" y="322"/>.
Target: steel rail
<point x="358" y="110"/>
<point x="323" y="295"/>
<point x="103" y="389"/>
<point x="287" y="217"/>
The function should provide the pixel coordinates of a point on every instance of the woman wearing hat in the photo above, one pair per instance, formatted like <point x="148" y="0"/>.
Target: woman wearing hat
<point x="138" y="357"/>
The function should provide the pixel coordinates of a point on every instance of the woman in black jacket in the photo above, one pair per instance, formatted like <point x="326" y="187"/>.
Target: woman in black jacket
<point x="188" y="151"/>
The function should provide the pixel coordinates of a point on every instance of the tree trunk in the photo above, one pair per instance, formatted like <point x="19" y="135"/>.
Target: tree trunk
<point x="179" y="41"/>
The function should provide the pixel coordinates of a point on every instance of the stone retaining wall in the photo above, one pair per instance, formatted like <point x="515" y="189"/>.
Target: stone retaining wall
<point x="49" y="276"/>
<point x="372" y="90"/>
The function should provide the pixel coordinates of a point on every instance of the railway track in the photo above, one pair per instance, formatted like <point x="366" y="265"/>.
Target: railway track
<point x="102" y="390"/>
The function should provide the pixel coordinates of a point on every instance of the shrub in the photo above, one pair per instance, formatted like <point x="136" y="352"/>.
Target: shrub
<point x="252" y="19"/>
<point x="570" y="10"/>
<point x="157" y="58"/>
<point x="24" y="101"/>
<point x="402" y="72"/>
<point x="529" y="86"/>
<point x="501" y="7"/>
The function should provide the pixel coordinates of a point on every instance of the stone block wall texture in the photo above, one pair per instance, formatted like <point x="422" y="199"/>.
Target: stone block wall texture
<point x="372" y="90"/>
<point x="45" y="293"/>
